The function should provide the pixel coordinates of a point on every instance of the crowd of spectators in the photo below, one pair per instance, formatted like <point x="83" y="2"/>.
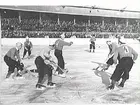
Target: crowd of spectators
<point x="44" y="34"/>
<point x="39" y="34"/>
<point x="67" y="26"/>
<point x="13" y="27"/>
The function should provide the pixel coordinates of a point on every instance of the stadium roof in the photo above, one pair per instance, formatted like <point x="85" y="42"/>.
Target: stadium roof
<point x="77" y="10"/>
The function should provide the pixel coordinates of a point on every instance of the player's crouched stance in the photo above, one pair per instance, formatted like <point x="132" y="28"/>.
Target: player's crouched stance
<point x="112" y="48"/>
<point x="127" y="56"/>
<point x="13" y="60"/>
<point x="44" y="66"/>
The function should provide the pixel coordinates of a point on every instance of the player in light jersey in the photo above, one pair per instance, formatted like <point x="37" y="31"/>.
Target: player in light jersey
<point x="27" y="48"/>
<point x="127" y="57"/>
<point x="44" y="66"/>
<point x="112" y="48"/>
<point x="59" y="44"/>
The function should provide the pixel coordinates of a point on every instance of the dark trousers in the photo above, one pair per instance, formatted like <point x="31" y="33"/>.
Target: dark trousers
<point x="110" y="61"/>
<point x="25" y="51"/>
<point x="43" y="69"/>
<point x="12" y="64"/>
<point x="122" y="69"/>
<point x="92" y="45"/>
<point x="60" y="59"/>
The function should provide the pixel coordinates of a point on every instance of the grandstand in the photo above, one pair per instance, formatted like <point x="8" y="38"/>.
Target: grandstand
<point x="41" y="21"/>
<point x="84" y="84"/>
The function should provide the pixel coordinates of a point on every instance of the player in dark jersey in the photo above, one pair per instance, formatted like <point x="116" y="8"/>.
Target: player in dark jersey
<point x="27" y="47"/>
<point x="127" y="57"/>
<point x="92" y="43"/>
<point x="13" y="60"/>
<point x="59" y="44"/>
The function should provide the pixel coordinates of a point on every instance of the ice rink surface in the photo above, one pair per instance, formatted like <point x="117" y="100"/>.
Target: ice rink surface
<point x="83" y="84"/>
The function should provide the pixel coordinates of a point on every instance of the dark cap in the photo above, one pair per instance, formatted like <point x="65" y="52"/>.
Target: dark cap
<point x="53" y="45"/>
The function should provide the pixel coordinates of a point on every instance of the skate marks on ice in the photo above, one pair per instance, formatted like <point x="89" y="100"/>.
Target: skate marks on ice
<point x="35" y="94"/>
<point x="65" y="91"/>
<point x="30" y="94"/>
<point x="75" y="92"/>
<point x="13" y="90"/>
<point x="118" y="96"/>
<point x="50" y="95"/>
<point x="40" y="96"/>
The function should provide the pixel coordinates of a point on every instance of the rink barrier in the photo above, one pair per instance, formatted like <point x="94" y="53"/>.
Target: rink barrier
<point x="47" y="41"/>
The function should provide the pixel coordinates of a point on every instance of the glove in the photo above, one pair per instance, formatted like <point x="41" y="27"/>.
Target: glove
<point x="21" y="66"/>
